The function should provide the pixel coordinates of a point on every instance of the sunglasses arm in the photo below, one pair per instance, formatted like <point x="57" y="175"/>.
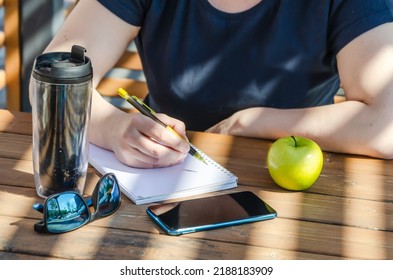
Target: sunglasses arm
<point x="38" y="207"/>
<point x="40" y="227"/>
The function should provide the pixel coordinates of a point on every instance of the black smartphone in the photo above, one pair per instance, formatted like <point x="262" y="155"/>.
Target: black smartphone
<point x="210" y="212"/>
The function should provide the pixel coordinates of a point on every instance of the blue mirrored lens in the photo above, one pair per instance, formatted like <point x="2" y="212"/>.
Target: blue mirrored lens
<point x="108" y="195"/>
<point x="65" y="212"/>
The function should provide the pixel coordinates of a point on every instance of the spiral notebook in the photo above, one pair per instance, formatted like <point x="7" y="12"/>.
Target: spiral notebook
<point x="191" y="177"/>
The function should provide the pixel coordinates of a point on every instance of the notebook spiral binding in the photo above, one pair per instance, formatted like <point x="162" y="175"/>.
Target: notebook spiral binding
<point x="212" y="162"/>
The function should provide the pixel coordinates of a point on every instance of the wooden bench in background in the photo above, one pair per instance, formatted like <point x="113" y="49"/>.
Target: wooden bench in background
<point x="9" y="39"/>
<point x="127" y="74"/>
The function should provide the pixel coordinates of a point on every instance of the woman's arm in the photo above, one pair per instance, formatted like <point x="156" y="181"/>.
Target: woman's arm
<point x="361" y="125"/>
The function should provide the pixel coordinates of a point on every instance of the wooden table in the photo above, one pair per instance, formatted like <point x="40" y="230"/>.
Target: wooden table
<point x="347" y="214"/>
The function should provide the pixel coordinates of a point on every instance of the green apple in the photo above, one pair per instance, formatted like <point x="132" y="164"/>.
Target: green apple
<point x="294" y="163"/>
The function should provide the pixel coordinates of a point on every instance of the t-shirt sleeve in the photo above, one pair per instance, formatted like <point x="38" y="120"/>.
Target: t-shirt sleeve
<point x="349" y="19"/>
<point x="131" y="11"/>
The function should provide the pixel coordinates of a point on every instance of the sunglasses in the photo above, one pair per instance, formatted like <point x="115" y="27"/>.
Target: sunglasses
<point x="69" y="210"/>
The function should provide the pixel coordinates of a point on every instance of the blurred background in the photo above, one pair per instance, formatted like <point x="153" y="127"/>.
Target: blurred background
<point x="32" y="24"/>
<point x="26" y="28"/>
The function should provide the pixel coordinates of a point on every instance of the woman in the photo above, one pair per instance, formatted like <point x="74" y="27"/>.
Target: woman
<point x="258" y="68"/>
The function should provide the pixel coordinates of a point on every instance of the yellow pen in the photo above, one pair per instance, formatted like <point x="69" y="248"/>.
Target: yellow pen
<point x="148" y="112"/>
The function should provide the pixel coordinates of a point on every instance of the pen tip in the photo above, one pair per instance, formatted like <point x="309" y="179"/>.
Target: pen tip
<point x="199" y="157"/>
<point x="122" y="93"/>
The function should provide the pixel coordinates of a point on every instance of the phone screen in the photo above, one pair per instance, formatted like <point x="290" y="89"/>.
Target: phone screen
<point x="210" y="212"/>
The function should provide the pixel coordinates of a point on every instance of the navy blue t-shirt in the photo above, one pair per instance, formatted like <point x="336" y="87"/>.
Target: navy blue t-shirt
<point x="202" y="64"/>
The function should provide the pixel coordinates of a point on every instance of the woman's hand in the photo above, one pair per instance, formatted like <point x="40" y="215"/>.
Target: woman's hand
<point x="234" y="125"/>
<point x="143" y="143"/>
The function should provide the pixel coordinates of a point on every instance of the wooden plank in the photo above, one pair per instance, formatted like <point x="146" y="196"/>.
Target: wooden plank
<point x="2" y="39"/>
<point x="255" y="172"/>
<point x="339" y="217"/>
<point x="354" y="173"/>
<point x="15" y="146"/>
<point x="291" y="205"/>
<point x="342" y="175"/>
<point x="339" y="98"/>
<point x="16" y="173"/>
<point x="15" y="122"/>
<point x="12" y="57"/>
<point x="110" y="243"/>
<point x="251" y="168"/>
<point x="108" y="87"/>
<point x="19" y="173"/>
<point x="13" y="256"/>
<point x="2" y="79"/>
<point x="129" y="60"/>
<point x="289" y="232"/>
<point x="125" y="244"/>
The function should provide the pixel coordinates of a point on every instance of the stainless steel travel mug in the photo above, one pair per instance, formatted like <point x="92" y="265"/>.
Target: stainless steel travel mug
<point x="61" y="103"/>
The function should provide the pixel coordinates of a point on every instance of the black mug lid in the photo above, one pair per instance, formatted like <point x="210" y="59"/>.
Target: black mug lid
<point x="63" y="67"/>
